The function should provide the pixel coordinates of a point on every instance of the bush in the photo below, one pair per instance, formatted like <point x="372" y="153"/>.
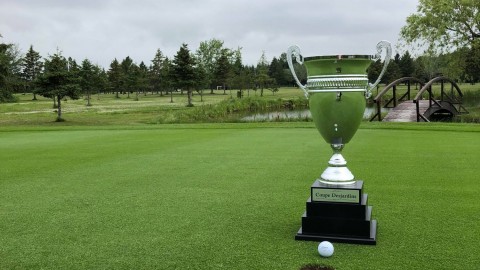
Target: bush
<point x="7" y="96"/>
<point x="231" y="110"/>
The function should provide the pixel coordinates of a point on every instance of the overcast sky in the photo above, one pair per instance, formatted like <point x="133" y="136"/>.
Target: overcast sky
<point x="102" y="30"/>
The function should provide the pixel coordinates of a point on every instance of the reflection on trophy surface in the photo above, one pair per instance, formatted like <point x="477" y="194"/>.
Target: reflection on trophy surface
<point x="336" y="89"/>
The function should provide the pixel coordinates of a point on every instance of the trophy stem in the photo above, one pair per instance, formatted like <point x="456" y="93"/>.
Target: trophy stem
<point x="337" y="172"/>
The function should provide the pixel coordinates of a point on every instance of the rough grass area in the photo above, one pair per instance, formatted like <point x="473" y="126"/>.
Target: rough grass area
<point x="230" y="196"/>
<point x="150" y="108"/>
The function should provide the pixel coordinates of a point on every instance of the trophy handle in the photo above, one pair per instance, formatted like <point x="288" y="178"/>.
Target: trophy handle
<point x="388" y="55"/>
<point x="295" y="51"/>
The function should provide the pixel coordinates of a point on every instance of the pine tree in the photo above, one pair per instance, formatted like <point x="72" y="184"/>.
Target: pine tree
<point x="87" y="76"/>
<point x="32" y="66"/>
<point x="222" y="69"/>
<point x="183" y="65"/>
<point x="126" y="78"/>
<point x="262" y="78"/>
<point x="155" y="72"/>
<point x="143" y="80"/>
<point x="10" y="70"/>
<point x="406" y="65"/>
<point x="115" y="77"/>
<point x="167" y="77"/>
<point x="59" y="80"/>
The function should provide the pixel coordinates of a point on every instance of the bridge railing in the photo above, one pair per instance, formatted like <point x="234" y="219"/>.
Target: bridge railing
<point x="452" y="97"/>
<point x="396" y="97"/>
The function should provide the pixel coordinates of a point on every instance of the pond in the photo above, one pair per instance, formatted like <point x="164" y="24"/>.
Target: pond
<point x="297" y="115"/>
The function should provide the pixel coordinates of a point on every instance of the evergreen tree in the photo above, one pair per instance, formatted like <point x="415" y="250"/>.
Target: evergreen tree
<point x="396" y="59"/>
<point x="155" y="72"/>
<point x="373" y="72"/>
<point x="132" y="78"/>
<point x="183" y="65"/>
<point x="276" y="71"/>
<point x="143" y="80"/>
<point x="262" y="79"/>
<point x="100" y="80"/>
<point x="167" y="77"/>
<point x="115" y="77"/>
<point x="10" y="71"/>
<point x="126" y="75"/>
<point x="58" y="81"/>
<point x="32" y="66"/>
<point x="238" y="78"/>
<point x="223" y="69"/>
<point x="392" y="73"/>
<point x="200" y="80"/>
<point x="406" y="65"/>
<point x="87" y="79"/>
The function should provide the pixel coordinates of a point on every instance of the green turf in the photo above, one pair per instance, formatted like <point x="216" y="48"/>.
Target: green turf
<point x="230" y="196"/>
<point x="106" y="109"/>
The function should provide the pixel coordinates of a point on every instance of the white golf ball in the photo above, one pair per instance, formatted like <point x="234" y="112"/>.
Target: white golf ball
<point x="325" y="249"/>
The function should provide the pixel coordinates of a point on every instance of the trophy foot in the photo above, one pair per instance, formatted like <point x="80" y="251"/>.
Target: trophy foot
<point x="337" y="176"/>
<point x="337" y="172"/>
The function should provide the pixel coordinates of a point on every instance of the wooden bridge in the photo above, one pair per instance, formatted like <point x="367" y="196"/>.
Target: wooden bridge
<point x="426" y="106"/>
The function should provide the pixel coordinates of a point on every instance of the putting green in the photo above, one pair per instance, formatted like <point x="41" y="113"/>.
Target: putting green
<point x="230" y="196"/>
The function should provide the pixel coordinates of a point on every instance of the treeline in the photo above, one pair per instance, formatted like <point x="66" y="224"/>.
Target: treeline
<point x="212" y="66"/>
<point x="462" y="65"/>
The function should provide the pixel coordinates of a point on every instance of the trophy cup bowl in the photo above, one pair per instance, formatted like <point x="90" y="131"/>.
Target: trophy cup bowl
<point x="336" y="89"/>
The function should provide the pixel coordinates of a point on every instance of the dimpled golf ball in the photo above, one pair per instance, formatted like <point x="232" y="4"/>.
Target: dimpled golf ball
<point x="325" y="249"/>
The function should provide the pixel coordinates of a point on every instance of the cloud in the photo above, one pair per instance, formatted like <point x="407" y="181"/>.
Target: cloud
<point x="104" y="30"/>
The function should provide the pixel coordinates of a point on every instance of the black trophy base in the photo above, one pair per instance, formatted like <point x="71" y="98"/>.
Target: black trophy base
<point x="372" y="240"/>
<point x="338" y="214"/>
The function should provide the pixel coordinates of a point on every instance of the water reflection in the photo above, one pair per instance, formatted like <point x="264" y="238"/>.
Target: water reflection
<point x="298" y="115"/>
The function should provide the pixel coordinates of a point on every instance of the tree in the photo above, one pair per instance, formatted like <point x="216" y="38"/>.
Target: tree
<point x="472" y="64"/>
<point x="126" y="78"/>
<point x="420" y="72"/>
<point x="132" y="78"/>
<point x="250" y="78"/>
<point x="430" y="66"/>
<point x="238" y="80"/>
<point x="32" y="66"/>
<point x="222" y="69"/>
<point x="277" y="69"/>
<point x="392" y="73"/>
<point x="100" y="80"/>
<point x="443" y="24"/>
<point x="207" y="56"/>
<point x="374" y="71"/>
<point x="115" y="77"/>
<point x="301" y="72"/>
<point x="10" y="70"/>
<point x="184" y="72"/>
<point x="58" y="81"/>
<point x="167" y="77"/>
<point x="262" y="79"/>
<point x="406" y="65"/>
<point x="396" y="58"/>
<point x="73" y="66"/>
<point x="142" y="79"/>
<point x="200" y="80"/>
<point x="155" y="72"/>
<point x="87" y="79"/>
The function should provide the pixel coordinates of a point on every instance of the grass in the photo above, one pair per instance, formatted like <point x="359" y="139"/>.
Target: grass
<point x="110" y="188"/>
<point x="230" y="196"/>
<point x="149" y="109"/>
